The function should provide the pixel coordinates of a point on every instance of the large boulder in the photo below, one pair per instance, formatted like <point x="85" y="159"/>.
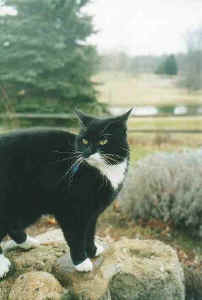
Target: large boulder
<point x="36" y="286"/>
<point x="41" y="258"/>
<point x="129" y="269"/>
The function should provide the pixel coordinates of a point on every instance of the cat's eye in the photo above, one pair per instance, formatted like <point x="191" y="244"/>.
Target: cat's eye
<point x="103" y="142"/>
<point x="85" y="141"/>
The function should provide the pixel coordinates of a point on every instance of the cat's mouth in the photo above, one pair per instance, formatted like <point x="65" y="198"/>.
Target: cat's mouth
<point x="101" y="159"/>
<point x="95" y="158"/>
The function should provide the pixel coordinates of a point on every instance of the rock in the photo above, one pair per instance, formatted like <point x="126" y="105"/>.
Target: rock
<point x="64" y="266"/>
<point x="36" y="286"/>
<point x="55" y="236"/>
<point x="41" y="258"/>
<point x="149" y="270"/>
<point x="129" y="269"/>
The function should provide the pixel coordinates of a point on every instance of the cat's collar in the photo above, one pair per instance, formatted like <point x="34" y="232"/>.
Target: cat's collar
<point x="75" y="168"/>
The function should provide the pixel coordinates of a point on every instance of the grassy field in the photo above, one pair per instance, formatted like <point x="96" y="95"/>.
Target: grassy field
<point x="121" y="89"/>
<point x="142" y="145"/>
<point x="124" y="90"/>
<point x="179" y="123"/>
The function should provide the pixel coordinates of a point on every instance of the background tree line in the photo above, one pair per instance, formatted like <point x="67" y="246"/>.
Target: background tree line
<point x="188" y="65"/>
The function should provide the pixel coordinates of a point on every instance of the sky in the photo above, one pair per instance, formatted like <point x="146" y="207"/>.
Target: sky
<point x="7" y="10"/>
<point x="144" y="27"/>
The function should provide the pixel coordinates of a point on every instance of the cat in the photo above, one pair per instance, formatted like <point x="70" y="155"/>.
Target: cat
<point x="71" y="176"/>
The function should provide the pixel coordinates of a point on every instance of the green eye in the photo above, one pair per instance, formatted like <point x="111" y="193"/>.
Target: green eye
<point x="85" y="142"/>
<point x="103" y="142"/>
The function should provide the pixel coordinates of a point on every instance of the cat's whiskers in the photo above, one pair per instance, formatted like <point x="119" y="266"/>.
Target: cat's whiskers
<point x="110" y="159"/>
<point x="75" y="154"/>
<point x="61" y="152"/>
<point x="76" y="163"/>
<point x="65" y="159"/>
<point x="125" y="149"/>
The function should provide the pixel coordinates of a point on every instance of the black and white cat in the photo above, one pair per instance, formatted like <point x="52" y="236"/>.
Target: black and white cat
<point x="73" y="177"/>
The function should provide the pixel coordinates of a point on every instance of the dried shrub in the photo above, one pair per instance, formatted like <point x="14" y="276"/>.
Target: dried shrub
<point x="166" y="186"/>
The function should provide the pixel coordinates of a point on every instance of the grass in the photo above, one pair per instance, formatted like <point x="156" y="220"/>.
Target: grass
<point x="121" y="89"/>
<point x="183" y="123"/>
<point x="146" y="144"/>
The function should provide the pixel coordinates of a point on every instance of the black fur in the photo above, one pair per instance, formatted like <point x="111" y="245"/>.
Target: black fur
<point x="38" y="175"/>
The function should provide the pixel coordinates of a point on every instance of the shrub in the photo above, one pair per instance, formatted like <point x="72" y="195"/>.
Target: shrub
<point x="166" y="186"/>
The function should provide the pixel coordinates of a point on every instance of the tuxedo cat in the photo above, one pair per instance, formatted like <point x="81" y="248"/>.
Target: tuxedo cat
<point x="73" y="177"/>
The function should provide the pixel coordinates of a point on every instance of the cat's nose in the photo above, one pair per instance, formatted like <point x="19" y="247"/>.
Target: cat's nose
<point x="88" y="152"/>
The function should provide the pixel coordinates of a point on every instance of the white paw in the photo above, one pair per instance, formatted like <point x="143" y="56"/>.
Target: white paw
<point x="29" y="243"/>
<point x="9" y="245"/>
<point x="4" y="265"/>
<point x="100" y="249"/>
<point x="85" y="266"/>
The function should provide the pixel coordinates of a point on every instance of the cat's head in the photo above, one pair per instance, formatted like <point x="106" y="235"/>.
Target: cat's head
<point x="103" y="140"/>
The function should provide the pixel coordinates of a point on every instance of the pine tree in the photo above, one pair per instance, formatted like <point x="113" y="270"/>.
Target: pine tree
<point x="44" y="56"/>
<point x="171" y="65"/>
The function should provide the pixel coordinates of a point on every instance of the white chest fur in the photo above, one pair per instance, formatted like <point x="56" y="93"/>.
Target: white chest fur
<point x="114" y="173"/>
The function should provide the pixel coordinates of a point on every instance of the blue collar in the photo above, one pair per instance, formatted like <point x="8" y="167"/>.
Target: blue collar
<point x="75" y="168"/>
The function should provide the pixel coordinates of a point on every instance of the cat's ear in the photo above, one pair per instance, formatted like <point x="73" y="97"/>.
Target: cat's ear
<point x="84" y="119"/>
<point x="123" y="118"/>
<point x="120" y="120"/>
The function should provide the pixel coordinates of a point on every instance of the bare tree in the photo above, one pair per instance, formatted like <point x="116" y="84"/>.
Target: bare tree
<point x="192" y="70"/>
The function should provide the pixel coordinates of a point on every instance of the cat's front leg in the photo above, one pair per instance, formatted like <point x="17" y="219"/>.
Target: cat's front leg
<point x="93" y="248"/>
<point x="76" y="241"/>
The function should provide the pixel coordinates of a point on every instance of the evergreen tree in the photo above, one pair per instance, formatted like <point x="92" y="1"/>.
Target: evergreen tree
<point x="168" y="66"/>
<point x="171" y="65"/>
<point x="44" y="54"/>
